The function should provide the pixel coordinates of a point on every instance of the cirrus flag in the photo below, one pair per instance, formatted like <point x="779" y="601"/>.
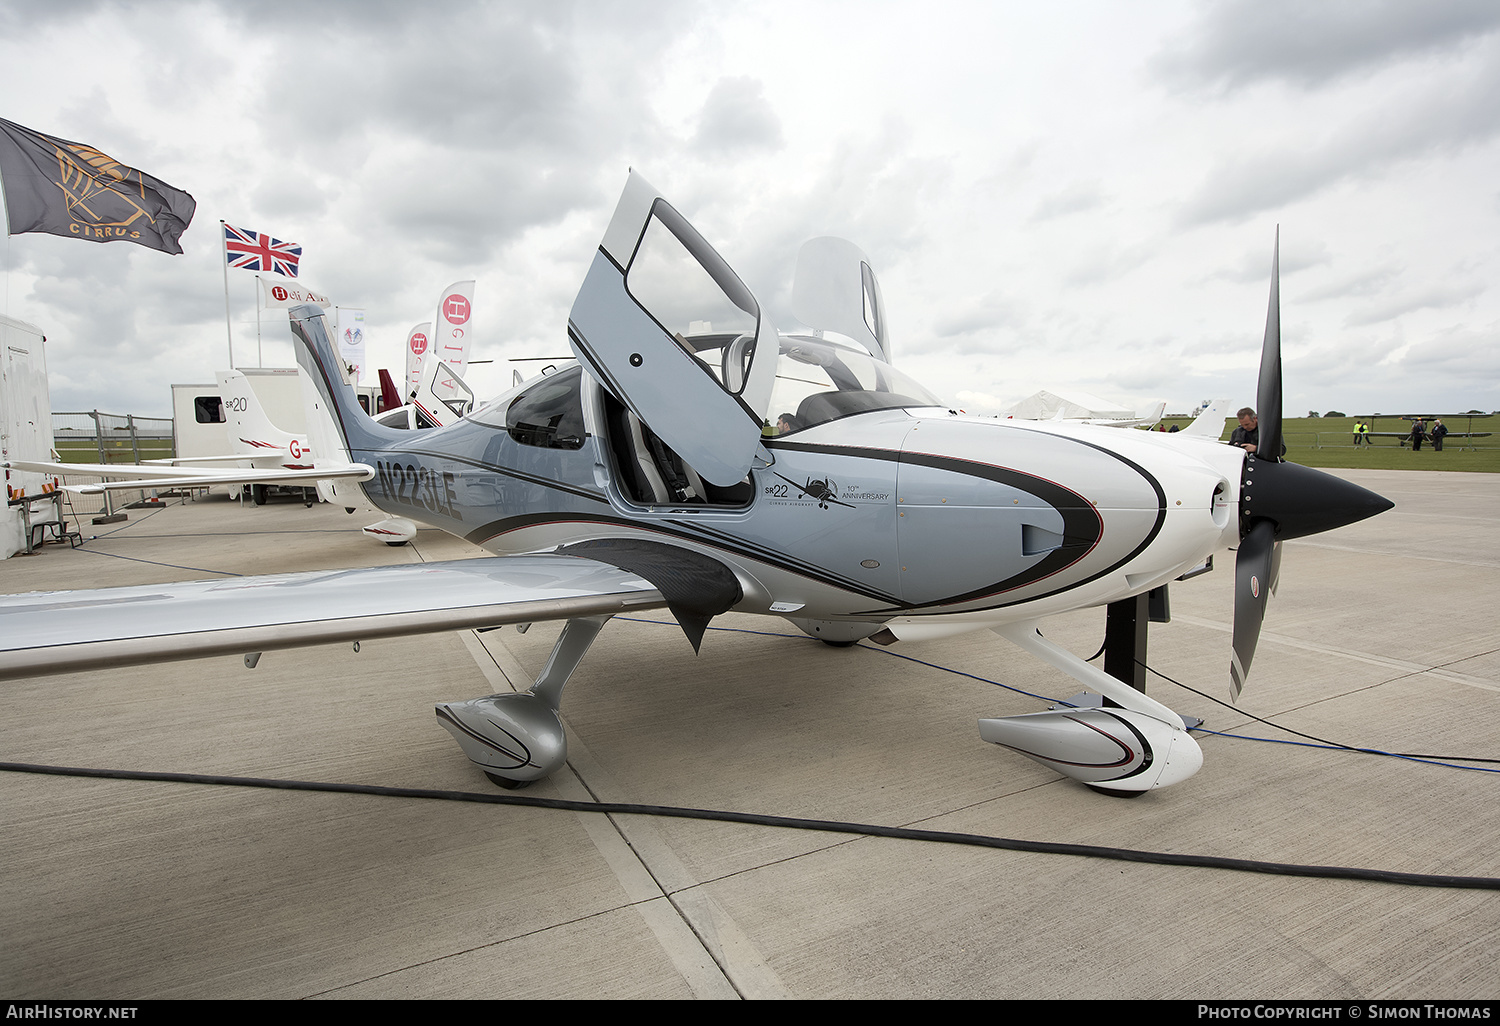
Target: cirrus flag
<point x="66" y="188"/>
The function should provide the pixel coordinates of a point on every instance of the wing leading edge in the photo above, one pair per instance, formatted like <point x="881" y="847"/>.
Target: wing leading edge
<point x="65" y="632"/>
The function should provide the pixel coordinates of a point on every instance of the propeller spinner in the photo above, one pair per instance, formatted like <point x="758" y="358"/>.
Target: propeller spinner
<point x="1279" y="500"/>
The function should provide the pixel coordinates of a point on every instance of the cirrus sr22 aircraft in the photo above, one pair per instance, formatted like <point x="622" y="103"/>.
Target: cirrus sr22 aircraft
<point x="641" y="478"/>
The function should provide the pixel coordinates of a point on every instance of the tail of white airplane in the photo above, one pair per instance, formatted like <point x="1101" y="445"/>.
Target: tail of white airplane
<point x="251" y="432"/>
<point x="1209" y="423"/>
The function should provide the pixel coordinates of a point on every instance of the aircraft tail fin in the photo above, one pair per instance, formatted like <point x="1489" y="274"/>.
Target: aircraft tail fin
<point x="390" y="397"/>
<point x="1209" y="423"/>
<point x="251" y="432"/>
<point x="327" y="393"/>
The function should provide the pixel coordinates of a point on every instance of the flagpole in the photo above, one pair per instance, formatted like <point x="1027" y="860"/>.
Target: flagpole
<point x="259" y="360"/>
<point x="224" y="264"/>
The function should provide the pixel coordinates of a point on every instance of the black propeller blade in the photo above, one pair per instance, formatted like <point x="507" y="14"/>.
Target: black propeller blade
<point x="1254" y="567"/>
<point x="1279" y="500"/>
<point x="1268" y="389"/>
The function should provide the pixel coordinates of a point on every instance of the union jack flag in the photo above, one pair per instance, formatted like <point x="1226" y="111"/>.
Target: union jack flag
<point x="257" y="251"/>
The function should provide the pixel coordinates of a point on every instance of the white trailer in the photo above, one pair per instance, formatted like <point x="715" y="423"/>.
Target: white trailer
<point x="199" y="423"/>
<point x="25" y="432"/>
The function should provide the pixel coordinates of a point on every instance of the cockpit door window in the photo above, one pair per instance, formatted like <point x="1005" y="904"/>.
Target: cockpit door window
<point x="666" y="325"/>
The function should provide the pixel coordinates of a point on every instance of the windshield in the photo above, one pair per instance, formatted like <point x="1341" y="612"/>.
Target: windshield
<point x="817" y="381"/>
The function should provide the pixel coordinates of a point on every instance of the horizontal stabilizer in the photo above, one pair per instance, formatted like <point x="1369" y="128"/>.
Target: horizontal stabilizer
<point x="137" y="476"/>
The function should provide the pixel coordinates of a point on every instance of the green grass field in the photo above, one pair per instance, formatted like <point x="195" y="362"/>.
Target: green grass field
<point x="86" y="450"/>
<point x="1329" y="442"/>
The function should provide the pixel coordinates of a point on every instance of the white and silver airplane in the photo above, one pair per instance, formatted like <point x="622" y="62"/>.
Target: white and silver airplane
<point x="648" y="476"/>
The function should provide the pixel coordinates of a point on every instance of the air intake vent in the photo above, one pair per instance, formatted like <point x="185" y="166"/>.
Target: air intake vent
<point x="1037" y="540"/>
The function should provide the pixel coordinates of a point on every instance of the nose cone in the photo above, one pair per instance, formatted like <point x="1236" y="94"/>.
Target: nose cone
<point x="1304" y="501"/>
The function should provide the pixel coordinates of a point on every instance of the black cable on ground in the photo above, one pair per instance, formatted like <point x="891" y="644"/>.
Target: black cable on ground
<point x="1435" y="760"/>
<point x="157" y="562"/>
<point x="789" y="822"/>
<point x="1313" y="737"/>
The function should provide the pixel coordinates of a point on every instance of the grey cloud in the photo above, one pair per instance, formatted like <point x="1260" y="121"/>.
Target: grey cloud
<point x="1327" y="362"/>
<point x="1469" y="354"/>
<point x="1443" y="117"/>
<point x="1239" y="42"/>
<point x="1255" y="264"/>
<point x="287" y="199"/>
<point x="736" y="116"/>
<point x="467" y="209"/>
<point x="1435" y="297"/>
<point x="1074" y="199"/>
<point x="991" y="314"/>
<point x="20" y="16"/>
<point x="1107" y="262"/>
<point x="1361" y="283"/>
<point x="486" y="76"/>
<point x="872" y="192"/>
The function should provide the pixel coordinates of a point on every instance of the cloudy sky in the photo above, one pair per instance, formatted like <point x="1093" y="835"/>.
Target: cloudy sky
<point x="1072" y="195"/>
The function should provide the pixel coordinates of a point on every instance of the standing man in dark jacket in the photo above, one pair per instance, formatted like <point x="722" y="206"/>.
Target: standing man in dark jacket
<point x="1247" y="435"/>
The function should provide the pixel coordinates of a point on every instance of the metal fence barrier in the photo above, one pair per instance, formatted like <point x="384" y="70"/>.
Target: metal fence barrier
<point x="1345" y="440"/>
<point x="95" y="437"/>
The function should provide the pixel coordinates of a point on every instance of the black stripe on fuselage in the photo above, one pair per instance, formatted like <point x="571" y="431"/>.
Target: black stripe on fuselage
<point x="1077" y="512"/>
<point x="1068" y="503"/>
<point x="682" y="532"/>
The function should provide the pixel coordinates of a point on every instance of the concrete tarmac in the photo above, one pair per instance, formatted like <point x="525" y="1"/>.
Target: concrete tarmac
<point x="1383" y="635"/>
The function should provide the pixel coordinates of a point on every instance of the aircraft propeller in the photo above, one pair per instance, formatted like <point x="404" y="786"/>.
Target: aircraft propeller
<point x="1279" y="500"/>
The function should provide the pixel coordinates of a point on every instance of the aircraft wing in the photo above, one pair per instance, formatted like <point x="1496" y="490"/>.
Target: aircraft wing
<point x="137" y="476"/>
<point x="65" y="632"/>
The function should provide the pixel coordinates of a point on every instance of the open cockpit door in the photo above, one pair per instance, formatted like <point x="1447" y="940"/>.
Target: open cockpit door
<point x="835" y="290"/>
<point x="668" y="327"/>
<point x="442" y="394"/>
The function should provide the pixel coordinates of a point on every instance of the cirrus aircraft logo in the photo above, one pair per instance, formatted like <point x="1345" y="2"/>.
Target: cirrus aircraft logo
<point x="103" y="196"/>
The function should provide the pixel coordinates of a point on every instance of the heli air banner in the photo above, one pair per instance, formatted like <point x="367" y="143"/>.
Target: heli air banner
<point x="453" y="327"/>
<point x="418" y="341"/>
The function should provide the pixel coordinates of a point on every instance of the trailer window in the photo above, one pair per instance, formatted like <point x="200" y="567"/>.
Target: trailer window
<point x="209" y="409"/>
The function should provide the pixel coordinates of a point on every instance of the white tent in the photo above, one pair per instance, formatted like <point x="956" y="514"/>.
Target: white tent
<point x="1045" y="405"/>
